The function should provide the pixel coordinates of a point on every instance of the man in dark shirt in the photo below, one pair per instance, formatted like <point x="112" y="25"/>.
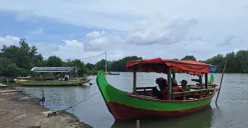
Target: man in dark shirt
<point x="184" y="85"/>
<point x="162" y="94"/>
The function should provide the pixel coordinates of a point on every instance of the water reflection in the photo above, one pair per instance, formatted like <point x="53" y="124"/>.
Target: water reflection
<point x="201" y="119"/>
<point x="56" y="97"/>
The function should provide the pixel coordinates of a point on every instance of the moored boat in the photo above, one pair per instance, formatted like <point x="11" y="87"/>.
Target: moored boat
<point x="58" y="80"/>
<point x="52" y="83"/>
<point x="142" y="103"/>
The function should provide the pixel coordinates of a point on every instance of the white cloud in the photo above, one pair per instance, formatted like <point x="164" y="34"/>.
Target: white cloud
<point x="121" y="14"/>
<point x="9" y="40"/>
<point x="161" y="31"/>
<point x="175" y="28"/>
<point x="71" y="49"/>
<point x="100" y="40"/>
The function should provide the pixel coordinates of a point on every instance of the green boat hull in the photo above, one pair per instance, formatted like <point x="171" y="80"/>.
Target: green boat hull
<point x="53" y="83"/>
<point x="124" y="105"/>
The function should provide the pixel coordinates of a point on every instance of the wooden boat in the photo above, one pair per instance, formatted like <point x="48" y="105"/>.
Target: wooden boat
<point x="201" y="119"/>
<point x="52" y="83"/>
<point x="142" y="104"/>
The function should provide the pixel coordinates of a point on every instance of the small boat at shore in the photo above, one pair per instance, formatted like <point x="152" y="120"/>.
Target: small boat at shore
<point x="58" y="80"/>
<point x="52" y="83"/>
<point x="142" y="103"/>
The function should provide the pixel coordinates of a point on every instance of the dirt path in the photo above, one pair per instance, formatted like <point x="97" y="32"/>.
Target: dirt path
<point x="20" y="111"/>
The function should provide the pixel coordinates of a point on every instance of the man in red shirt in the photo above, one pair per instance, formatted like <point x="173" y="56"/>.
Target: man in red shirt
<point x="175" y="87"/>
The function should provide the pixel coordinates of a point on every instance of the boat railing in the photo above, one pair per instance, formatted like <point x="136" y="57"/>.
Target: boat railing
<point x="192" y="93"/>
<point x="144" y="90"/>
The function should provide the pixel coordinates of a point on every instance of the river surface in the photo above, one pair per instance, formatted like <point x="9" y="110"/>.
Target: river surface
<point x="231" y="113"/>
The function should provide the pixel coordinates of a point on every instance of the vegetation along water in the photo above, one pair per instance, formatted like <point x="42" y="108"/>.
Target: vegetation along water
<point x="18" y="60"/>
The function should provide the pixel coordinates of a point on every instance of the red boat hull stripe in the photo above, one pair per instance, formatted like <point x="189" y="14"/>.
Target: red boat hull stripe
<point x="123" y="112"/>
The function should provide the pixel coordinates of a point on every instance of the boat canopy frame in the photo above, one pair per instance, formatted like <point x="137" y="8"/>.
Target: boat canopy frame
<point x="170" y="67"/>
<point x="52" y="69"/>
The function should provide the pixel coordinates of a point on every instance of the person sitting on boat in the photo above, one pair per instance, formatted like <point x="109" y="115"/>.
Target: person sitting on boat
<point x="163" y="89"/>
<point x="184" y="85"/>
<point x="175" y="87"/>
<point x="162" y="86"/>
<point x="66" y="77"/>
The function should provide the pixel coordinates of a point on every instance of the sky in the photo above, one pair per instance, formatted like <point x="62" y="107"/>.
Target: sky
<point x="77" y="29"/>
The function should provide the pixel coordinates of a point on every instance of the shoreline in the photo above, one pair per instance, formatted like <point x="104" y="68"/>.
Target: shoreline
<point x="19" y="110"/>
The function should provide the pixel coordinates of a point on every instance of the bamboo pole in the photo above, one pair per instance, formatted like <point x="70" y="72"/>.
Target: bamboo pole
<point x="220" y="83"/>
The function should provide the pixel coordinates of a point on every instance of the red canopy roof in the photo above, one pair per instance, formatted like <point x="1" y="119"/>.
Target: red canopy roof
<point x="161" y="66"/>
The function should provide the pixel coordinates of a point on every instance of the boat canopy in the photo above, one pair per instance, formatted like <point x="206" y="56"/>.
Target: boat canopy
<point x="52" y="69"/>
<point x="160" y="65"/>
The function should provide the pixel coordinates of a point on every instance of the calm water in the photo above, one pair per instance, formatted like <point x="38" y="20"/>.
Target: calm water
<point x="231" y="113"/>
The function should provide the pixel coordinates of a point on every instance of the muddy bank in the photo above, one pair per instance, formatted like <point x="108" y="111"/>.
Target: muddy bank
<point x="20" y="111"/>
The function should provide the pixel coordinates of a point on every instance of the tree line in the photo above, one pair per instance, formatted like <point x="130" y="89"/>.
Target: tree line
<point x="17" y="61"/>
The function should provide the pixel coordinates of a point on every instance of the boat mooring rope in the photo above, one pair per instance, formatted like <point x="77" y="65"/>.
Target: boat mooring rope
<point x="80" y="102"/>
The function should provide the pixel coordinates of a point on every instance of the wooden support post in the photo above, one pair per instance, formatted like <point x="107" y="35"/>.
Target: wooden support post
<point x="174" y="75"/>
<point x="134" y="81"/>
<point x="206" y="81"/>
<point x="169" y="83"/>
<point x="200" y="80"/>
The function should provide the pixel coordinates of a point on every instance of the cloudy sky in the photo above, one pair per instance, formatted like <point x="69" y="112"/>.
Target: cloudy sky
<point x="160" y="28"/>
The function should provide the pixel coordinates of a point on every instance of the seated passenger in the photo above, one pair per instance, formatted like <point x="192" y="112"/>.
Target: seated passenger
<point x="163" y="89"/>
<point x="162" y="86"/>
<point x="184" y="85"/>
<point x="175" y="87"/>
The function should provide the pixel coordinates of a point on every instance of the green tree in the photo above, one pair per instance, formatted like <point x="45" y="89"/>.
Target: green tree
<point x="218" y="61"/>
<point x="242" y="58"/>
<point x="90" y="66"/>
<point x="22" y="56"/>
<point x="54" y="61"/>
<point x="189" y="57"/>
<point x="38" y="61"/>
<point x="232" y="64"/>
<point x="78" y="64"/>
<point x="100" y="65"/>
<point x="12" y="70"/>
<point x="120" y="65"/>
<point x="3" y="65"/>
